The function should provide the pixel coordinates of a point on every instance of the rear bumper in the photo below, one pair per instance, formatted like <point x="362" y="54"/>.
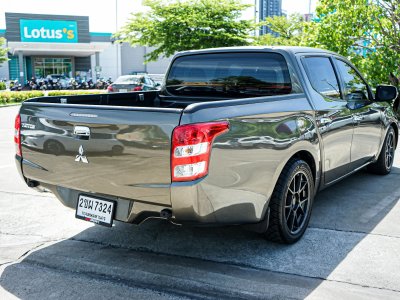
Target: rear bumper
<point x="191" y="204"/>
<point x="202" y="202"/>
<point x="197" y="202"/>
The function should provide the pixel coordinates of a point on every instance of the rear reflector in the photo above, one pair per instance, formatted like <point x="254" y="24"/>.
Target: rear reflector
<point x="17" y="135"/>
<point x="191" y="149"/>
<point x="137" y="88"/>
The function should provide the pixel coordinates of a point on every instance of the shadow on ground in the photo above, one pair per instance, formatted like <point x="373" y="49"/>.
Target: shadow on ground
<point x="343" y="216"/>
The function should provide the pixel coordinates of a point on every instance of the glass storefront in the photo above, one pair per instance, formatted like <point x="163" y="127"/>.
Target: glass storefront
<point x="44" y="66"/>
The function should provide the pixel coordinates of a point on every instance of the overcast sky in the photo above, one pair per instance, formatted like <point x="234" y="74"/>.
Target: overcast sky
<point x="102" y="13"/>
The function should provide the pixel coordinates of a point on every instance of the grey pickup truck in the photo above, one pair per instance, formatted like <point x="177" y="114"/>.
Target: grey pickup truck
<point x="238" y="136"/>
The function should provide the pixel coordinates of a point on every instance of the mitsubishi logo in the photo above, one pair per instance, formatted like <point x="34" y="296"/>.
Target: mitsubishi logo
<point x="80" y="157"/>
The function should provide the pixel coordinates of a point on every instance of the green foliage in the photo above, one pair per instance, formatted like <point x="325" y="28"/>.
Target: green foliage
<point x="343" y="26"/>
<point x="289" y="30"/>
<point x="3" y="51"/>
<point x="3" y="86"/>
<point x="16" y="97"/>
<point x="178" y="25"/>
<point x="71" y="93"/>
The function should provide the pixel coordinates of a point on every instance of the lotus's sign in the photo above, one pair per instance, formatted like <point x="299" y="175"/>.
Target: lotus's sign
<point x="48" y="31"/>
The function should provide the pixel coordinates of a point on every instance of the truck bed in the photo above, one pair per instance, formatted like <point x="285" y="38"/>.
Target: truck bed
<point x="131" y="99"/>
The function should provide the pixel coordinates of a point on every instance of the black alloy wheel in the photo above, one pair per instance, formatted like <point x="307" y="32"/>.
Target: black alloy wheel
<point x="384" y="163"/>
<point x="389" y="150"/>
<point x="297" y="202"/>
<point x="291" y="203"/>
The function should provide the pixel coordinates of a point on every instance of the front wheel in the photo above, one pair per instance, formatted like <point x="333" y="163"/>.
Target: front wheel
<point x="384" y="163"/>
<point x="291" y="203"/>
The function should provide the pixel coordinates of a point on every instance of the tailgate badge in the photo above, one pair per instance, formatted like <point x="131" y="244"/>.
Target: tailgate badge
<point x="80" y="157"/>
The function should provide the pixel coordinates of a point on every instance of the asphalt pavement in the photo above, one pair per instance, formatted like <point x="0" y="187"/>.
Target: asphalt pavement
<point x="351" y="249"/>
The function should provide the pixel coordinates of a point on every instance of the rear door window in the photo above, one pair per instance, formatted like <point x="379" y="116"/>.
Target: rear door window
<point x="322" y="76"/>
<point x="233" y="75"/>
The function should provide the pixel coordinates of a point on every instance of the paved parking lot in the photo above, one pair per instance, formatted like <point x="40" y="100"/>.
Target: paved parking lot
<point x="351" y="249"/>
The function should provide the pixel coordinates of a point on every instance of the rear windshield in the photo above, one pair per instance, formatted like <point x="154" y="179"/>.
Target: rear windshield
<point x="236" y="75"/>
<point x="128" y="80"/>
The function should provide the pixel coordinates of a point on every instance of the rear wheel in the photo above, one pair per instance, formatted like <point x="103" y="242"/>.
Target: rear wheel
<point x="384" y="163"/>
<point x="291" y="203"/>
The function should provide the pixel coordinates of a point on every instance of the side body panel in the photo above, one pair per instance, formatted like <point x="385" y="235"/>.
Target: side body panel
<point x="247" y="161"/>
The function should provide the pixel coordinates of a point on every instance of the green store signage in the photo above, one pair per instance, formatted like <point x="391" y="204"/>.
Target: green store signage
<point x="48" y="31"/>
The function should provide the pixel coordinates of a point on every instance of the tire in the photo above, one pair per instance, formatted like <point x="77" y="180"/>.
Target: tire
<point x="383" y="165"/>
<point x="293" y="196"/>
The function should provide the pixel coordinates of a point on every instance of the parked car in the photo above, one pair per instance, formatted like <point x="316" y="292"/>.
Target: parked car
<point x="243" y="135"/>
<point x="128" y="83"/>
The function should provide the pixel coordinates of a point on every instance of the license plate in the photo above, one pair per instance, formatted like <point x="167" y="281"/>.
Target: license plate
<point x="123" y="90"/>
<point x="95" y="210"/>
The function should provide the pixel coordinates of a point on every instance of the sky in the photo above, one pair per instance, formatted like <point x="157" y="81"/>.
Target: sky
<point x="102" y="13"/>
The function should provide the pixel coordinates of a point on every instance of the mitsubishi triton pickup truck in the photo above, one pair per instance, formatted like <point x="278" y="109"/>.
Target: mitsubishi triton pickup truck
<point x="235" y="136"/>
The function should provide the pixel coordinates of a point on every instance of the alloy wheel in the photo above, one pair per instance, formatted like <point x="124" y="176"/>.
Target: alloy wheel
<point x="297" y="202"/>
<point x="389" y="150"/>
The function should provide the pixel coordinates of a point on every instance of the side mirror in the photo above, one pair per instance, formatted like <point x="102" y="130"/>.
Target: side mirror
<point x="385" y="93"/>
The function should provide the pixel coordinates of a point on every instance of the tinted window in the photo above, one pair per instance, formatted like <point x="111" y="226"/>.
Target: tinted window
<point x="322" y="76"/>
<point x="236" y="75"/>
<point x="354" y="86"/>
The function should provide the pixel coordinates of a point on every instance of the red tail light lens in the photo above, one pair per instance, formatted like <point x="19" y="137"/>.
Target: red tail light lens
<point x="191" y="149"/>
<point x="137" y="88"/>
<point x="17" y="135"/>
<point x="110" y="88"/>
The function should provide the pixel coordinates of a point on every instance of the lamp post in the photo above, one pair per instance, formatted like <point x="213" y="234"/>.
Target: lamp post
<point x="116" y="44"/>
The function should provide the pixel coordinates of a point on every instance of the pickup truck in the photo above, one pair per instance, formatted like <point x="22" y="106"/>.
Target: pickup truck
<point x="238" y="136"/>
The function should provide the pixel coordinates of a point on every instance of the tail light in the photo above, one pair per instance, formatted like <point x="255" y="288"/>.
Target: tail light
<point x="17" y="135"/>
<point x="137" y="88"/>
<point x="191" y="149"/>
<point x="110" y="88"/>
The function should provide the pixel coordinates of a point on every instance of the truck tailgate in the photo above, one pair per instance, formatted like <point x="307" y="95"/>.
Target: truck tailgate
<point x="120" y="151"/>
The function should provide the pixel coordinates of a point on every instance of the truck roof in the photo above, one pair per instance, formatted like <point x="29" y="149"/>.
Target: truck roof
<point x="289" y="49"/>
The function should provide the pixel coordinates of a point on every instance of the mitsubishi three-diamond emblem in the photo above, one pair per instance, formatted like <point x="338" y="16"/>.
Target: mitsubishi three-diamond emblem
<point x="80" y="157"/>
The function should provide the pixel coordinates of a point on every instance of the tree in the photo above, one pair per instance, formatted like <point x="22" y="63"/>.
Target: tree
<point x="366" y="31"/>
<point x="177" y="25"/>
<point x="289" y="31"/>
<point x="3" y="51"/>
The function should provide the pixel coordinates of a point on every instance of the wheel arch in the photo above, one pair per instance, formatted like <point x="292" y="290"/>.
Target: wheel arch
<point x="309" y="159"/>
<point x="396" y="131"/>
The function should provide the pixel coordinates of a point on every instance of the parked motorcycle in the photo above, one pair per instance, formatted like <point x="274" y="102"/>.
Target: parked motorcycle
<point x="73" y="84"/>
<point x="15" y="86"/>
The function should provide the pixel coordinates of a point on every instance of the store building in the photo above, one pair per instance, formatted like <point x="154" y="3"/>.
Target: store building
<point x="40" y="45"/>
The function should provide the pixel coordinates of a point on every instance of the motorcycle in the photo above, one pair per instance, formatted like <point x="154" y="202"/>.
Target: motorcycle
<point x="33" y="84"/>
<point x="15" y="86"/>
<point x="101" y="84"/>
<point x="91" y="84"/>
<point x="74" y="84"/>
<point x="83" y="85"/>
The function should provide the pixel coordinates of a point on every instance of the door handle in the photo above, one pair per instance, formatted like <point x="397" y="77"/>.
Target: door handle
<point x="358" y="118"/>
<point x="82" y="132"/>
<point x="325" y="121"/>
